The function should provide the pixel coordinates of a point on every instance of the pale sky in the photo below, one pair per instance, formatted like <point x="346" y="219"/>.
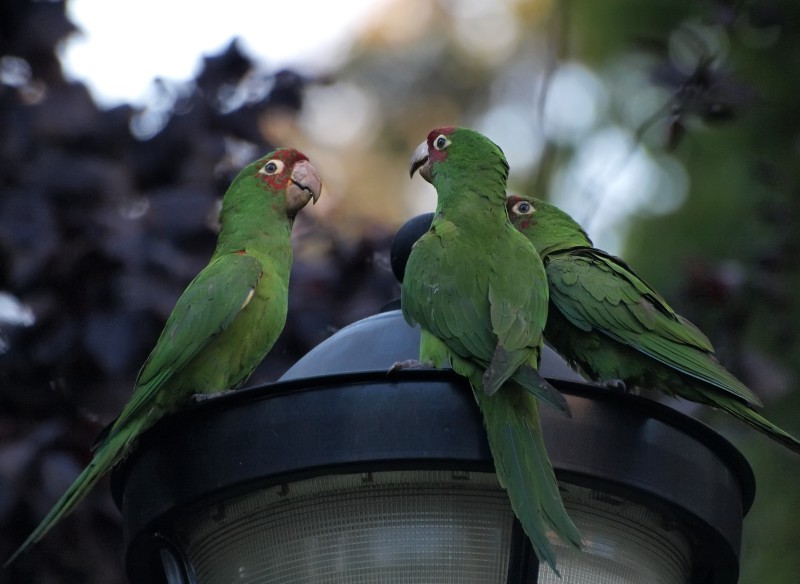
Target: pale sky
<point x="124" y="45"/>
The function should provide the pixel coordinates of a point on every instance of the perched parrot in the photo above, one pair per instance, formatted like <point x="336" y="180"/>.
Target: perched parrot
<point x="610" y="325"/>
<point x="225" y="321"/>
<point x="467" y="284"/>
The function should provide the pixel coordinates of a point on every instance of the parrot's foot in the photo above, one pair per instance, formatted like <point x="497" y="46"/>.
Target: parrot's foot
<point x="617" y="385"/>
<point x="408" y="364"/>
<point x="199" y="398"/>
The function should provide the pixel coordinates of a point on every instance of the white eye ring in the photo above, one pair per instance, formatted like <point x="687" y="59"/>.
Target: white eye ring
<point x="524" y="208"/>
<point x="273" y="166"/>
<point x="441" y="142"/>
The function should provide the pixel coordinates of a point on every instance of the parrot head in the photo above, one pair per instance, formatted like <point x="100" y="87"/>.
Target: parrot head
<point x="546" y="226"/>
<point x="460" y="149"/>
<point x="288" y="170"/>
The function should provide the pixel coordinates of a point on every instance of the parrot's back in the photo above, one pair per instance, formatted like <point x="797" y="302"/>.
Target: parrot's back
<point x="446" y="289"/>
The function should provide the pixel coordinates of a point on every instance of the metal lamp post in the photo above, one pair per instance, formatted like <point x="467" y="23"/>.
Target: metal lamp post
<point x="341" y="472"/>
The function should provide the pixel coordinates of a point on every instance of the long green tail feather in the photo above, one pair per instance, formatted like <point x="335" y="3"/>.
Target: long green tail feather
<point x="524" y="469"/>
<point x="511" y="418"/>
<point x="753" y="419"/>
<point x="107" y="454"/>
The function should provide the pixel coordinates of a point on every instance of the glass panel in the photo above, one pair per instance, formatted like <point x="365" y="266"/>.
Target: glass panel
<point x="624" y="543"/>
<point x="391" y="527"/>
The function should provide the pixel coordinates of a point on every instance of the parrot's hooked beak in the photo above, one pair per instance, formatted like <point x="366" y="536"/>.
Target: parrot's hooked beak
<point x="419" y="160"/>
<point x="304" y="186"/>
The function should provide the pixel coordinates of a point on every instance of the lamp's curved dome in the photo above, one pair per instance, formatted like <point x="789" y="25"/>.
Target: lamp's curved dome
<point x="377" y="342"/>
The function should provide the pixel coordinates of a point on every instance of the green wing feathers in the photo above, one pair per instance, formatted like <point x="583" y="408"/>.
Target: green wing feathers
<point x="518" y="301"/>
<point x="596" y="291"/>
<point x="458" y="330"/>
<point x="451" y="308"/>
<point x="207" y="307"/>
<point x="529" y="379"/>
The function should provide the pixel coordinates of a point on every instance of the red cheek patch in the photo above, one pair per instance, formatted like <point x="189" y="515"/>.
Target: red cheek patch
<point x="273" y="181"/>
<point x="435" y="155"/>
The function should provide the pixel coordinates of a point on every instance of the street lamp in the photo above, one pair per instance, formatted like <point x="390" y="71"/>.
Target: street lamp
<point x="342" y="472"/>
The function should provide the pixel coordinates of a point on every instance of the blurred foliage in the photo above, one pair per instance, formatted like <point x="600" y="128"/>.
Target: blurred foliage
<point x="727" y="254"/>
<point x="668" y="127"/>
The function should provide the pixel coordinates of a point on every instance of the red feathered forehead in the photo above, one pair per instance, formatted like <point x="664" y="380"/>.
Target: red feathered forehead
<point x="438" y="131"/>
<point x="512" y="200"/>
<point x="287" y="155"/>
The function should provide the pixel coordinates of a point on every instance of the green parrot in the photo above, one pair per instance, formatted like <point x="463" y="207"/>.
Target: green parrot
<point x="611" y="326"/>
<point x="225" y="321"/>
<point x="467" y="284"/>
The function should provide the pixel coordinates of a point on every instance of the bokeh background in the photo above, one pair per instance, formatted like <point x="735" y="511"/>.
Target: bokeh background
<point x="669" y="128"/>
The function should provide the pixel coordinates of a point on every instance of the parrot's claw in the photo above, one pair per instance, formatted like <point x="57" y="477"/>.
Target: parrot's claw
<point x="407" y="364"/>
<point x="199" y="398"/>
<point x="617" y="385"/>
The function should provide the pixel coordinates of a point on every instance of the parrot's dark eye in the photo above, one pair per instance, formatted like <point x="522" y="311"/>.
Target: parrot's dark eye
<point x="272" y="167"/>
<point x="441" y="142"/>
<point x="523" y="208"/>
